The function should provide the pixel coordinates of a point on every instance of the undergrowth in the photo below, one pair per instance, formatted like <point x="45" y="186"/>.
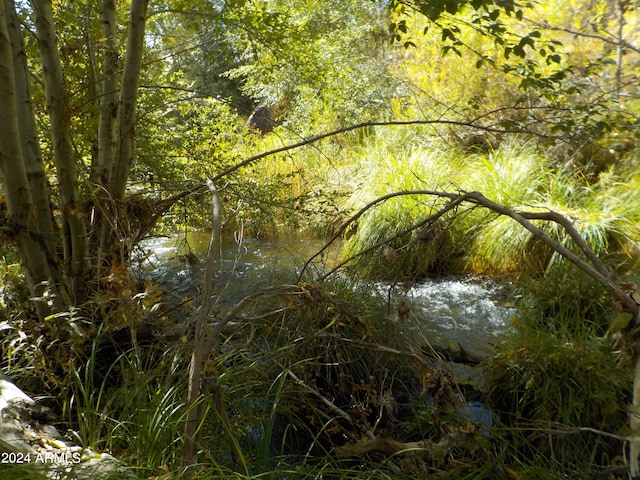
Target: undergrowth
<point x="303" y="374"/>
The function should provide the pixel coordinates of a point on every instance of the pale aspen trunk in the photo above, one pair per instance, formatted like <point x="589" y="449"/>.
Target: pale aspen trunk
<point x="202" y="347"/>
<point x="634" y="422"/>
<point x="22" y="219"/>
<point x="621" y="45"/>
<point x="101" y="169"/>
<point x="31" y="154"/>
<point x="76" y="247"/>
<point x="200" y="353"/>
<point x="108" y="105"/>
<point x="128" y="96"/>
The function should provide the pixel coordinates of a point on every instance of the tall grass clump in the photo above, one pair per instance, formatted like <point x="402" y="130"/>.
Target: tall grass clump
<point x="322" y="366"/>
<point x="517" y="177"/>
<point x="565" y="301"/>
<point x="131" y="405"/>
<point x="561" y="398"/>
<point x="376" y="242"/>
<point x="304" y="339"/>
<point x="604" y="213"/>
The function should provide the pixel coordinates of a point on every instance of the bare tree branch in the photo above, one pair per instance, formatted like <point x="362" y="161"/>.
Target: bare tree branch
<point x="593" y="267"/>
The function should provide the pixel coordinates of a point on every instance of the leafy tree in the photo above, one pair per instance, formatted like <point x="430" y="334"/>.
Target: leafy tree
<point x="560" y="70"/>
<point x="329" y="61"/>
<point x="57" y="258"/>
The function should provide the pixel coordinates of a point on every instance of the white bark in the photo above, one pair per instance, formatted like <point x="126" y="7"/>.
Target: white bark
<point x="75" y="235"/>
<point x="108" y="105"/>
<point x="128" y="99"/>
<point x="200" y="353"/>
<point x="22" y="224"/>
<point x="31" y="154"/>
<point x="634" y="424"/>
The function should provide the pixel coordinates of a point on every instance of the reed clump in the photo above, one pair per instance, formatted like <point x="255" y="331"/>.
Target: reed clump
<point x="560" y="398"/>
<point x="472" y="239"/>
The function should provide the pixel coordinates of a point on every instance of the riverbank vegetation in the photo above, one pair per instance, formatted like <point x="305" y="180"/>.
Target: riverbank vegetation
<point x="422" y="140"/>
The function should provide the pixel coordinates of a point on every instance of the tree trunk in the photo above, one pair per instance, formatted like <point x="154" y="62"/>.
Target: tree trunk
<point x="117" y="131"/>
<point x="128" y="97"/>
<point x="76" y="248"/>
<point x="108" y="97"/>
<point x="31" y="154"/>
<point x="200" y="353"/>
<point x="104" y="206"/>
<point x="23" y="222"/>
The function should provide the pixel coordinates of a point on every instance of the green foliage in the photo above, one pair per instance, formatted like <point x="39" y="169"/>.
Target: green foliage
<point x="382" y="169"/>
<point x="551" y="71"/>
<point x="565" y="301"/>
<point x="556" y="392"/>
<point x="294" y="52"/>
<point x="131" y="405"/>
<point x="516" y="176"/>
<point x="544" y="69"/>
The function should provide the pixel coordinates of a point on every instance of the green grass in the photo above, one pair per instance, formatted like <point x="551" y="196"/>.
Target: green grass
<point x="557" y="368"/>
<point x="131" y="406"/>
<point x="385" y="169"/>
<point x="329" y="336"/>
<point x="555" y="393"/>
<point x="605" y="213"/>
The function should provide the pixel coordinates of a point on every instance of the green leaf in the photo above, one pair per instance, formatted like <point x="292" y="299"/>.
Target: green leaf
<point x="621" y="321"/>
<point x="519" y="51"/>
<point x="447" y="34"/>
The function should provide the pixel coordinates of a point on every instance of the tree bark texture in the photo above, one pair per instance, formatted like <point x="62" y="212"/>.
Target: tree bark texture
<point x="31" y="153"/>
<point x="128" y="96"/>
<point x="108" y="103"/>
<point x="23" y="219"/>
<point x="104" y="205"/>
<point x="76" y="248"/>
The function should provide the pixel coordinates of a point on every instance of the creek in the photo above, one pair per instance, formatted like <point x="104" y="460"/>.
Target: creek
<point x="451" y="313"/>
<point x="447" y="312"/>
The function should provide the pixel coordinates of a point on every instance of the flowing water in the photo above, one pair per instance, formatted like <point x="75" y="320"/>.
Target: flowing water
<point x="175" y="262"/>
<point x="450" y="312"/>
<point x="456" y="311"/>
<point x="447" y="312"/>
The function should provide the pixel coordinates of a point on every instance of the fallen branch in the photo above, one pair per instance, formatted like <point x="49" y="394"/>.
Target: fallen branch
<point x="392" y="447"/>
<point x="590" y="264"/>
<point x="332" y="406"/>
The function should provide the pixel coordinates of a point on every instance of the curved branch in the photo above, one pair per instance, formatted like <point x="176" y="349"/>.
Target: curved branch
<point x="202" y="186"/>
<point x="455" y="201"/>
<point x="597" y="271"/>
<point x="593" y="266"/>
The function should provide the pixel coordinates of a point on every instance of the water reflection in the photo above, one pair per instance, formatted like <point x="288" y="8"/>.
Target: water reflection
<point x="285" y="252"/>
